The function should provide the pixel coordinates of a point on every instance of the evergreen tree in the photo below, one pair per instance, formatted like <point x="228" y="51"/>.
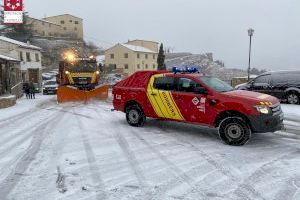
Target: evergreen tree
<point x="21" y="32"/>
<point x="161" y="58"/>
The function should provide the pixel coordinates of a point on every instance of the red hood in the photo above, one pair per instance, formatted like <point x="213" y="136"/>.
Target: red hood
<point x="252" y="96"/>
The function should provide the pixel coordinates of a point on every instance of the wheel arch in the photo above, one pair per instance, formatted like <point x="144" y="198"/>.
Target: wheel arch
<point x="292" y="89"/>
<point x="131" y="103"/>
<point x="230" y="113"/>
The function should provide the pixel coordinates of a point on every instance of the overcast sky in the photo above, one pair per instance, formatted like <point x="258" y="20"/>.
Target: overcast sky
<point x="197" y="26"/>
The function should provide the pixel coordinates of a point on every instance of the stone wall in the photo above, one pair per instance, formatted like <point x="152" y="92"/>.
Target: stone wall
<point x="7" y="101"/>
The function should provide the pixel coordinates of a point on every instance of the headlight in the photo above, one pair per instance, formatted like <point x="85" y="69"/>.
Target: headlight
<point x="263" y="109"/>
<point x="97" y="72"/>
<point x="67" y="72"/>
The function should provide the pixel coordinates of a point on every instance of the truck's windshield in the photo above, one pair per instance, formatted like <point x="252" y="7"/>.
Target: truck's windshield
<point x="83" y="66"/>
<point x="216" y="84"/>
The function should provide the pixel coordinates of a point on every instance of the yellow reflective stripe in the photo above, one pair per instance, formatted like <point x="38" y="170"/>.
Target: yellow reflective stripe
<point x="83" y="74"/>
<point x="152" y="99"/>
<point x="176" y="107"/>
<point x="163" y="102"/>
<point x="94" y="78"/>
<point x="170" y="106"/>
<point x="70" y="79"/>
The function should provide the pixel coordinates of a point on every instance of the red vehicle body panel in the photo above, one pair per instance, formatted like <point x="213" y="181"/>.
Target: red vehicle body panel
<point x="184" y="106"/>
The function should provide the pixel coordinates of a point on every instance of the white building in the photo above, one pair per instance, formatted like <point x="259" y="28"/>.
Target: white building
<point x="29" y="55"/>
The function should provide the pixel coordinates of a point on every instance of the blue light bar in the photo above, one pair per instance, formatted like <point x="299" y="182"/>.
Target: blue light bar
<point x="190" y="69"/>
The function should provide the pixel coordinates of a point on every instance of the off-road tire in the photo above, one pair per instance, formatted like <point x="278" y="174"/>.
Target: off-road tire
<point x="293" y="98"/>
<point x="234" y="131"/>
<point x="135" y="116"/>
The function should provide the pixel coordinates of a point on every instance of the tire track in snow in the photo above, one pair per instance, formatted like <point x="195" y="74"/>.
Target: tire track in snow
<point x="14" y="176"/>
<point x="131" y="158"/>
<point x="21" y="135"/>
<point x="183" y="176"/>
<point x="290" y="190"/>
<point x="91" y="158"/>
<point x="25" y="114"/>
<point x="263" y="170"/>
<point x="226" y="172"/>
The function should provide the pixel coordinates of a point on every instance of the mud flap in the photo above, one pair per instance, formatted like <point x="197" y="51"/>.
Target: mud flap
<point x="71" y="94"/>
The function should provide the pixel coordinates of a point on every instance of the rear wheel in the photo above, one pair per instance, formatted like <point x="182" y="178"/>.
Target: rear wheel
<point x="293" y="98"/>
<point x="135" y="116"/>
<point x="234" y="131"/>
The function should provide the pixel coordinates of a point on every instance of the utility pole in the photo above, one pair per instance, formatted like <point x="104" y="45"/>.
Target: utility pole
<point x="250" y="33"/>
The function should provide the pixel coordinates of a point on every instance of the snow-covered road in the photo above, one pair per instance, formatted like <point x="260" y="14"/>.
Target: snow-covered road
<point x="84" y="151"/>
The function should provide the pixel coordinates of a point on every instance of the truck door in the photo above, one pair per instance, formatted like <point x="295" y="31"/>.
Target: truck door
<point x="159" y="92"/>
<point x="193" y="106"/>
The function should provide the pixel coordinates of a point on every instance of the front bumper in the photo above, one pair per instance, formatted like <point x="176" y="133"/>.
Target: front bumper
<point x="266" y="123"/>
<point x="49" y="91"/>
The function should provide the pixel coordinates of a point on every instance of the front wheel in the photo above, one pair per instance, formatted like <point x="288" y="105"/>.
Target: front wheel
<point x="234" y="131"/>
<point x="135" y="116"/>
<point x="293" y="98"/>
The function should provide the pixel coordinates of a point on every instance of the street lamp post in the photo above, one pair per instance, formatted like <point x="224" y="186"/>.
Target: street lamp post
<point x="250" y="33"/>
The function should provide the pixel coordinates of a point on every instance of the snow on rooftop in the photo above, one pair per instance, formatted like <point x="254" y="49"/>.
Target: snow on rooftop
<point x="3" y="57"/>
<point x="137" y="48"/>
<point x="42" y="20"/>
<point x="21" y="44"/>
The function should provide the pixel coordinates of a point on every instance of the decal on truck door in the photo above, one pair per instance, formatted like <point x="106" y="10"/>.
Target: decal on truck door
<point x="162" y="101"/>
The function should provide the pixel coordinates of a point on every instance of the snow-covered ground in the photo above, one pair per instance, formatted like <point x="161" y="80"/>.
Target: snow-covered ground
<point x="84" y="151"/>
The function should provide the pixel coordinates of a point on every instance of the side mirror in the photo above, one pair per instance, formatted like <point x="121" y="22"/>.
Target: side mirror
<point x="201" y="90"/>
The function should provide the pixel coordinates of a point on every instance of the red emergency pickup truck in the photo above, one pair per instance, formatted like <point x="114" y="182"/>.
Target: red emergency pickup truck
<point x="195" y="98"/>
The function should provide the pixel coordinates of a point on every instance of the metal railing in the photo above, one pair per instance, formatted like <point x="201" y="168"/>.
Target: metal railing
<point x="17" y="90"/>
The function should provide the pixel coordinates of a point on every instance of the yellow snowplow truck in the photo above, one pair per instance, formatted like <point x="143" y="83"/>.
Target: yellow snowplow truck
<point x="78" y="80"/>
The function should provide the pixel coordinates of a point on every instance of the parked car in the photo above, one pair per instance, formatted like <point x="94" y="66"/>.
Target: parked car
<point x="195" y="98"/>
<point x="36" y="87"/>
<point x="285" y="85"/>
<point x="50" y="87"/>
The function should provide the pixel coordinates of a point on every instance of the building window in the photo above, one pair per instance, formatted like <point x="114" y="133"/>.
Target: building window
<point x="146" y="66"/>
<point x="37" y="57"/>
<point x="62" y="22"/>
<point x="138" y="66"/>
<point x="21" y="56"/>
<point x="71" y="21"/>
<point x="154" y="66"/>
<point x="75" y="29"/>
<point x="125" y="55"/>
<point x="146" y="56"/>
<point x="65" y="28"/>
<point x="76" y="22"/>
<point x="43" y="33"/>
<point x="112" y="56"/>
<point x="28" y="58"/>
<point x="112" y="66"/>
<point x="138" y="55"/>
<point x="126" y="66"/>
<point x="153" y="56"/>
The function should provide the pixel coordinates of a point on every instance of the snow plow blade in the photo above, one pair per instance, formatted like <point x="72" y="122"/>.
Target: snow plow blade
<point x="71" y="94"/>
